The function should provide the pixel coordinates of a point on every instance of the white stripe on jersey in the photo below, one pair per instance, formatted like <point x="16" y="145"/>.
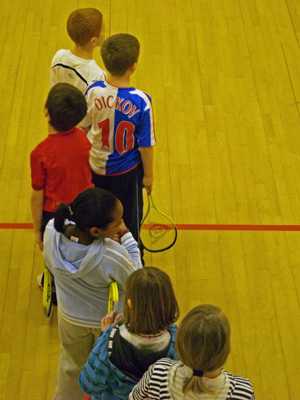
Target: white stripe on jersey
<point x="143" y="96"/>
<point x="98" y="158"/>
<point x="148" y="107"/>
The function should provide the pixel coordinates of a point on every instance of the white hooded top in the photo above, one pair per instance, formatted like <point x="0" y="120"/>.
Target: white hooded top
<point x="83" y="273"/>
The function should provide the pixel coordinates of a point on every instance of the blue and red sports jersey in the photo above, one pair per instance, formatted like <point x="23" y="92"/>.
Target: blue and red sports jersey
<point x="120" y="121"/>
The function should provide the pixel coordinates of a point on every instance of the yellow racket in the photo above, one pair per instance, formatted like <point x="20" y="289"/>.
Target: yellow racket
<point x="47" y="292"/>
<point x="113" y="296"/>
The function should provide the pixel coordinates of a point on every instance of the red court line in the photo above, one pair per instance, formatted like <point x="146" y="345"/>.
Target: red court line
<point x="16" y="225"/>
<point x="238" y="227"/>
<point x="192" y="227"/>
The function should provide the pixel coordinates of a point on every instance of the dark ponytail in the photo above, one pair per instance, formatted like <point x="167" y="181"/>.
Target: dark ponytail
<point x="91" y="208"/>
<point x="62" y="213"/>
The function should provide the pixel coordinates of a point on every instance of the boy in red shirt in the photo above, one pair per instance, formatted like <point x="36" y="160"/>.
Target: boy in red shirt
<point x="59" y="164"/>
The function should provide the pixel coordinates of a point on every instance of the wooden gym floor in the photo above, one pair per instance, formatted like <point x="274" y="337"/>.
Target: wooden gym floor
<point x="225" y="80"/>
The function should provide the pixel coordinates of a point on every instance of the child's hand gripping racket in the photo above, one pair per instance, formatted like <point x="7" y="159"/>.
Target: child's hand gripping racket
<point x="113" y="298"/>
<point x="159" y="232"/>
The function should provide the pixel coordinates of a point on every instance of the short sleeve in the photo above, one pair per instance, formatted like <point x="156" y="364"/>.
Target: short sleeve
<point x="38" y="171"/>
<point x="87" y="120"/>
<point x="53" y="77"/>
<point x="53" y="71"/>
<point x="145" y="129"/>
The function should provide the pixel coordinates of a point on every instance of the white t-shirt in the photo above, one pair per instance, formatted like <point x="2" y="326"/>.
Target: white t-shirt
<point x="79" y="72"/>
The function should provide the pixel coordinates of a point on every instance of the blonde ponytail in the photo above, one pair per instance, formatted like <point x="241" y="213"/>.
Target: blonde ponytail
<point x="195" y="384"/>
<point x="203" y="344"/>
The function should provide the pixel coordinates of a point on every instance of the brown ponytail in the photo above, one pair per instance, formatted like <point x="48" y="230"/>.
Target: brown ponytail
<point x="61" y="214"/>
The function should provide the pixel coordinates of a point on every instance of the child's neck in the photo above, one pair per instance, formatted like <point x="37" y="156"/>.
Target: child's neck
<point x="83" y="52"/>
<point x="213" y="374"/>
<point x="119" y="81"/>
<point x="51" y="130"/>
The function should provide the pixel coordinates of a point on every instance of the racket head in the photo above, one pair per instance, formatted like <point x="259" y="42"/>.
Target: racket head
<point x="159" y="232"/>
<point x="113" y="296"/>
<point x="47" y="293"/>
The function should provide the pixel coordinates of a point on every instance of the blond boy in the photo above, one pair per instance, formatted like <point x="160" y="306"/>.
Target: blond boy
<point x="77" y="66"/>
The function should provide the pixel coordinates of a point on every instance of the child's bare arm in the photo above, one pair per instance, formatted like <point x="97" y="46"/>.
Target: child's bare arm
<point x="147" y="159"/>
<point x="37" y="200"/>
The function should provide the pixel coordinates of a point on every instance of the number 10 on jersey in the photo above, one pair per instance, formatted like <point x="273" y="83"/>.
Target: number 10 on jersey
<point x="123" y="136"/>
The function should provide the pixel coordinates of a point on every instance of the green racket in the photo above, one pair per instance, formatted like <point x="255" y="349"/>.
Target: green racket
<point x="159" y="232"/>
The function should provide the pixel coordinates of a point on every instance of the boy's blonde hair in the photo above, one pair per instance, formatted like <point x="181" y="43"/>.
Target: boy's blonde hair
<point x="203" y="343"/>
<point x="150" y="304"/>
<point x="119" y="52"/>
<point x="83" y="24"/>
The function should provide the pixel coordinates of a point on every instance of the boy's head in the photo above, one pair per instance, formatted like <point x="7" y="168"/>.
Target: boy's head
<point x="120" y="52"/>
<point x="66" y="106"/>
<point x="84" y="26"/>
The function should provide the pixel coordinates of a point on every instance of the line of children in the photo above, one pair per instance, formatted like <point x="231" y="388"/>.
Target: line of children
<point x="78" y="245"/>
<point x="84" y="261"/>
<point x="202" y="343"/>
<point x="124" y="352"/>
<point x="119" y="118"/>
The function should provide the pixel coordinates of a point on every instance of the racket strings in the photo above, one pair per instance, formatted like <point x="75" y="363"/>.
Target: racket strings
<point x="159" y="231"/>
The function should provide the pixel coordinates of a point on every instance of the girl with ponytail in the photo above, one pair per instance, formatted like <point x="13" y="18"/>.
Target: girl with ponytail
<point x="86" y="247"/>
<point x="203" y="345"/>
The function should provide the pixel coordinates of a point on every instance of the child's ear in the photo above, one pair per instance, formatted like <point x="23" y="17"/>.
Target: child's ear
<point x="95" y="41"/>
<point x="95" y="232"/>
<point x="129" y="303"/>
<point x="133" y="68"/>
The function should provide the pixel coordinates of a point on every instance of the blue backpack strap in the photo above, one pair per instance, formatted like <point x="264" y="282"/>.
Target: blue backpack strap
<point x="172" y="346"/>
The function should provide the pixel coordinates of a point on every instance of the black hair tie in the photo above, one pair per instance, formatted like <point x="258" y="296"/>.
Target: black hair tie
<point x="198" y="372"/>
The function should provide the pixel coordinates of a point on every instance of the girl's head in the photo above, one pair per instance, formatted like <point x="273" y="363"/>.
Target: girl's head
<point x="150" y="302"/>
<point x="94" y="211"/>
<point x="203" y="343"/>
